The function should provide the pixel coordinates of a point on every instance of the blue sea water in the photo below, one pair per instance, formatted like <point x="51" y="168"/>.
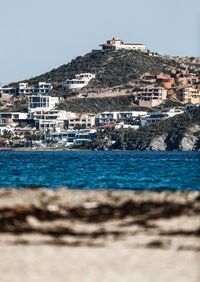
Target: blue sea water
<point x="102" y="170"/>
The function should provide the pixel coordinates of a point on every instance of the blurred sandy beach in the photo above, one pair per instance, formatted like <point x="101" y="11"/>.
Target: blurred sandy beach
<point x="95" y="236"/>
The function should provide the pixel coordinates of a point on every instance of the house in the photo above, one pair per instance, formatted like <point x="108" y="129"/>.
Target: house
<point x="12" y="117"/>
<point x="50" y="120"/>
<point x="148" y="78"/>
<point x="81" y="121"/>
<point x="189" y="95"/>
<point x="150" y="96"/>
<point x="159" y="116"/>
<point x="79" y="81"/>
<point x="44" y="102"/>
<point x="41" y="88"/>
<point x="24" y="88"/>
<point x="165" y="80"/>
<point x="8" y="90"/>
<point x="118" y="117"/>
<point x="71" y="137"/>
<point x="118" y="44"/>
<point x="106" y="118"/>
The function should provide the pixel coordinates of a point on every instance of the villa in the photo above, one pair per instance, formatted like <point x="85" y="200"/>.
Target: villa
<point x="117" y="44"/>
<point x="159" y="116"/>
<point x="79" y="81"/>
<point x="51" y="119"/>
<point x="41" y="88"/>
<point x="41" y="102"/>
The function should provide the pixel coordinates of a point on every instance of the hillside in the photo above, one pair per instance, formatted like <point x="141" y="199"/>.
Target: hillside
<point x="111" y="68"/>
<point x="96" y="105"/>
<point x="181" y="132"/>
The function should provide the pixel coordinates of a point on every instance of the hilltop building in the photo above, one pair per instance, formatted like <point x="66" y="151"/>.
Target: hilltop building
<point x="118" y="44"/>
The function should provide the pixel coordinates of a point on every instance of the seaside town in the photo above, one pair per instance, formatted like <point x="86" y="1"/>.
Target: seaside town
<point x="41" y="124"/>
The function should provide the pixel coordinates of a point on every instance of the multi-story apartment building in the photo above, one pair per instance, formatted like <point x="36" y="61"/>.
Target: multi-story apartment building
<point x="43" y="102"/>
<point x="51" y="120"/>
<point x="189" y="95"/>
<point x="150" y="96"/>
<point x="159" y="116"/>
<point x="41" y="88"/>
<point x="81" y="120"/>
<point x="117" y="117"/>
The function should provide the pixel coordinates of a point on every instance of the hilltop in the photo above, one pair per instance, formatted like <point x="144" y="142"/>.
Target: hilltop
<point x="111" y="68"/>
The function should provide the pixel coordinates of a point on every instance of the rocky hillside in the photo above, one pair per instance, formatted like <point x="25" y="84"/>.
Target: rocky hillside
<point x="179" y="133"/>
<point x="111" y="68"/>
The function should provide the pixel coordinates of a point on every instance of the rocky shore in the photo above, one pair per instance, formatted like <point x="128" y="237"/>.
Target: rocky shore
<point x="99" y="235"/>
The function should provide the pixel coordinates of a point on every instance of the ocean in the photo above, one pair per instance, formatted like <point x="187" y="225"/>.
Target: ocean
<point x="100" y="170"/>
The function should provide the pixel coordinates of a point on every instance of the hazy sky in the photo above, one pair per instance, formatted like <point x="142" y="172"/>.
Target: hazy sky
<point x="38" y="35"/>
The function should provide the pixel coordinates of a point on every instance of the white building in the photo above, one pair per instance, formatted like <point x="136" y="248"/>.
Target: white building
<point x="24" y="88"/>
<point x="159" y="116"/>
<point x="40" y="88"/>
<point x="44" y="87"/>
<point x="43" y="102"/>
<point x="72" y="137"/>
<point x="8" y="90"/>
<point x="118" y="44"/>
<point x="81" y="120"/>
<point x="12" y="117"/>
<point x="117" y="117"/>
<point x="79" y="81"/>
<point x="51" y="120"/>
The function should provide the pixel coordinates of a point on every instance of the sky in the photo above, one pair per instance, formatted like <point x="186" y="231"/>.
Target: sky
<point x="39" y="35"/>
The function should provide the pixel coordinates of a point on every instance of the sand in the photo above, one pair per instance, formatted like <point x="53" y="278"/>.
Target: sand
<point x="74" y="236"/>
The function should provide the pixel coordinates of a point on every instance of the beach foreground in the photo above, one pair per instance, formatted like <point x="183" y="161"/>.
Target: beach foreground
<point x="70" y="235"/>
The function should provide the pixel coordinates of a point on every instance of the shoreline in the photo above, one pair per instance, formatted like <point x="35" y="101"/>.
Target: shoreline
<point x="90" y="150"/>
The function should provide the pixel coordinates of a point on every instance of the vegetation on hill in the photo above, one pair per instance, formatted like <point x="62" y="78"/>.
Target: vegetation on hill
<point x="111" y="68"/>
<point x="96" y="105"/>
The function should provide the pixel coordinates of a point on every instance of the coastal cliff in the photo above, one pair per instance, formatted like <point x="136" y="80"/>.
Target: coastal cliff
<point x="180" y="133"/>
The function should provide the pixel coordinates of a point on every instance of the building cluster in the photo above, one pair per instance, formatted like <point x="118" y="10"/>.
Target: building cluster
<point x="44" y="122"/>
<point x="61" y="128"/>
<point x="180" y="85"/>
